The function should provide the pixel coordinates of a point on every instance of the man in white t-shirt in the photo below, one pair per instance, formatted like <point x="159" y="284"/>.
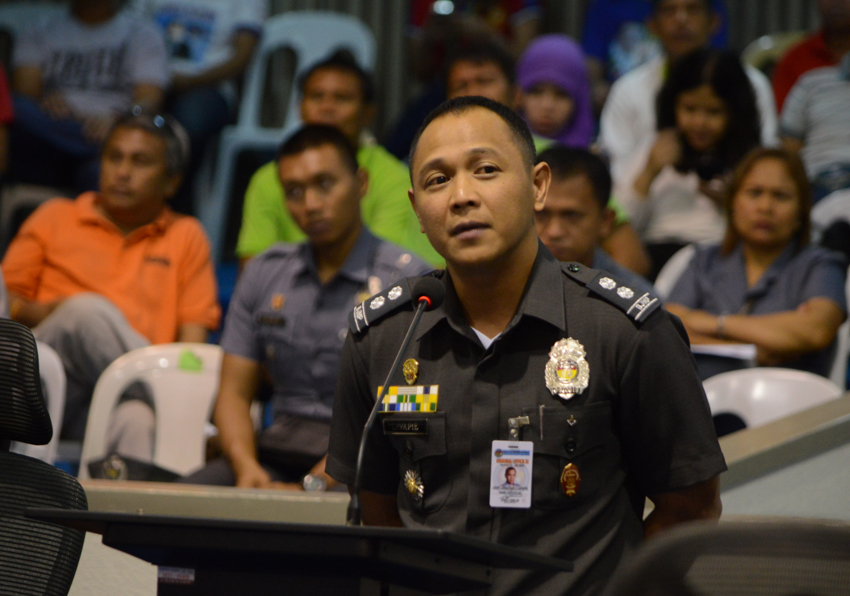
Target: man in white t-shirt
<point x="74" y="74"/>
<point x="815" y="122"/>
<point x="628" y="118"/>
<point x="210" y="44"/>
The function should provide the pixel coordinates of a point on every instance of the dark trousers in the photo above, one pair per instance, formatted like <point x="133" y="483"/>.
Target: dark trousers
<point x="51" y="152"/>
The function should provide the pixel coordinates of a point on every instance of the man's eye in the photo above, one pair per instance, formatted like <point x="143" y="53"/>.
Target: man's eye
<point x="293" y="192"/>
<point x="436" y="180"/>
<point x="325" y="184"/>
<point x="488" y="169"/>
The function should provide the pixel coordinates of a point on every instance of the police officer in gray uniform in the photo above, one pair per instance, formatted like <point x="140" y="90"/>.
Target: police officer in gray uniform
<point x="579" y="382"/>
<point x="289" y="313"/>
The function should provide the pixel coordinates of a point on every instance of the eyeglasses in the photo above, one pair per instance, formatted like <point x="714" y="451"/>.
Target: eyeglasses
<point x="164" y="122"/>
<point x="167" y="124"/>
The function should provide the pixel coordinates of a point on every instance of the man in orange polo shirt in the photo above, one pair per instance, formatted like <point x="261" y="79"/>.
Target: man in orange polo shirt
<point x="116" y="270"/>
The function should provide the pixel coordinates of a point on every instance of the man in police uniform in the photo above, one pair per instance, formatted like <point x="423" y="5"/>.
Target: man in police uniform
<point x="588" y="374"/>
<point x="289" y="313"/>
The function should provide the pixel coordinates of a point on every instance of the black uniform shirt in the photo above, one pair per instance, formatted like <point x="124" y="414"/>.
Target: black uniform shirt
<point x="642" y="426"/>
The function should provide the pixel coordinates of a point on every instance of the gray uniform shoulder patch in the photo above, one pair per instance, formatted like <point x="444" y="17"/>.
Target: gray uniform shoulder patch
<point x="379" y="306"/>
<point x="637" y="305"/>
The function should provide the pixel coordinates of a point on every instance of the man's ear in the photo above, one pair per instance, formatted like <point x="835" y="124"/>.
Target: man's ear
<point x="362" y="177"/>
<point x="412" y="197"/>
<point x="541" y="178"/>
<point x="518" y="95"/>
<point x="716" y="22"/>
<point x="651" y="25"/>
<point x="606" y="225"/>
<point x="172" y="185"/>
<point x="367" y="116"/>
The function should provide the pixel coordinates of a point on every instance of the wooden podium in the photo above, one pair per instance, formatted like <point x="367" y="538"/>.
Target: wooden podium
<point x="216" y="557"/>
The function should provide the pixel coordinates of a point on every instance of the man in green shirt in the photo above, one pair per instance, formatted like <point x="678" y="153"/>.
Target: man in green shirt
<point x="337" y="92"/>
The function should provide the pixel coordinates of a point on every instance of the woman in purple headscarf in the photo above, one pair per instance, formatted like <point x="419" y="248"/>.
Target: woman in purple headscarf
<point x="554" y="92"/>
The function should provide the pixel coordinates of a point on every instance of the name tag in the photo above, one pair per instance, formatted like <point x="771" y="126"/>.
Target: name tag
<point x="418" y="426"/>
<point x="271" y="321"/>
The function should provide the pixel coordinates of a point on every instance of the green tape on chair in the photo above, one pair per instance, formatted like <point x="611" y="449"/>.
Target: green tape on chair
<point x="189" y="361"/>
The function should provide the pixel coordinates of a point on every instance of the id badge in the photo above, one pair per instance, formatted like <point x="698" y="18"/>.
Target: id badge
<point x="510" y="474"/>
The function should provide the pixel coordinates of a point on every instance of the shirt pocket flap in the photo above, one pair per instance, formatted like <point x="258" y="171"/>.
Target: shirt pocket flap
<point x="568" y="431"/>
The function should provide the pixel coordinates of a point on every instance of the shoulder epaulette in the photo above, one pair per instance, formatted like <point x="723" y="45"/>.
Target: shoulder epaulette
<point x="636" y="304"/>
<point x="377" y="307"/>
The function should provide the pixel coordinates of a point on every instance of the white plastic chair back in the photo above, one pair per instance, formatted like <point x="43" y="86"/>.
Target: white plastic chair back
<point x="673" y="270"/>
<point x="183" y="378"/>
<point x="762" y="395"/>
<point x="838" y="373"/>
<point x="833" y="207"/>
<point x="312" y="36"/>
<point x="53" y="378"/>
<point x="764" y="52"/>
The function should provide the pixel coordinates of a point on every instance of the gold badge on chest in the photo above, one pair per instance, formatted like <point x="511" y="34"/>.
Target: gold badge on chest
<point x="410" y="369"/>
<point x="567" y="372"/>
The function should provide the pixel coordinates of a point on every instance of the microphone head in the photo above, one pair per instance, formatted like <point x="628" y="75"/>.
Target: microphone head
<point x="429" y="289"/>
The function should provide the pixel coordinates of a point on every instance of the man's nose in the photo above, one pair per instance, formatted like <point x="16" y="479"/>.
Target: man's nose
<point x="123" y="168"/>
<point x="463" y="191"/>
<point x="327" y="104"/>
<point x="554" y="229"/>
<point x="312" y="200"/>
<point x="681" y="14"/>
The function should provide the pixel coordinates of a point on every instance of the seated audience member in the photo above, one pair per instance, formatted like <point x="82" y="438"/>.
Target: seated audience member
<point x="516" y="23"/>
<point x="73" y="76"/>
<point x="289" y="314"/>
<point x="554" y="92"/>
<point x="616" y="40"/>
<point x="116" y="270"/>
<point x="484" y="68"/>
<point x="435" y="32"/>
<point x="816" y="123"/>
<point x="210" y="44"/>
<point x="339" y="93"/>
<point x="765" y="285"/>
<point x="707" y="120"/>
<point x="487" y="70"/>
<point x="823" y="48"/>
<point x="576" y="218"/>
<point x="628" y="118"/>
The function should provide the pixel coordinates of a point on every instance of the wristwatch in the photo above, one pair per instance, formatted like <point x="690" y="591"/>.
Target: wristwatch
<point x="314" y="483"/>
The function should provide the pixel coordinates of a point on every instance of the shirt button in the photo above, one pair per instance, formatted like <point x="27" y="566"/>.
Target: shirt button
<point x="570" y="446"/>
<point x="574" y="268"/>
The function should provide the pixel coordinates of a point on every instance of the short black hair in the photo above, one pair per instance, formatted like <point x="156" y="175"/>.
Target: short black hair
<point x="709" y="5"/>
<point x="459" y="105"/>
<point x="723" y="72"/>
<point x="177" y="145"/>
<point x="344" y="61"/>
<point x="566" y="162"/>
<point x="482" y="52"/>
<point x="311" y="136"/>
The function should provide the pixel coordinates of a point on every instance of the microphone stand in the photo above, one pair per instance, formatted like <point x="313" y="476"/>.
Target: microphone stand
<point x="355" y="508"/>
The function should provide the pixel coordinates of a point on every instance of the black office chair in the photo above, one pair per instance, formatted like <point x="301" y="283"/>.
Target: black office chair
<point x="36" y="558"/>
<point x="760" y="558"/>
